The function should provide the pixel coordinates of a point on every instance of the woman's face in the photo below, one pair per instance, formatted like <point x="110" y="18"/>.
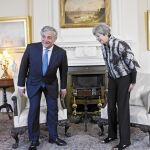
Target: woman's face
<point x="103" y="39"/>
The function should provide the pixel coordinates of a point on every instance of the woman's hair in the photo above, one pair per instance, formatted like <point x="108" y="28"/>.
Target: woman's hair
<point x="102" y="28"/>
<point x="47" y="29"/>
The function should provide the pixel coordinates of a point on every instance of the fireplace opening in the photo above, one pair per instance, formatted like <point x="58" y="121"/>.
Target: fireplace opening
<point x="87" y="85"/>
<point x="87" y="81"/>
<point x="87" y="90"/>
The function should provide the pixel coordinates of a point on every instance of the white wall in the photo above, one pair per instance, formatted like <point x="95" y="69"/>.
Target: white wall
<point x="13" y="8"/>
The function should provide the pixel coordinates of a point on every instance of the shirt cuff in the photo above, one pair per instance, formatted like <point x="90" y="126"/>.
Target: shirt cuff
<point x="63" y="89"/>
<point x="20" y="87"/>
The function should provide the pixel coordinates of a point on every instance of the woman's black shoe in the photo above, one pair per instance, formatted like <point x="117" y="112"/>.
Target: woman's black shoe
<point x="32" y="147"/>
<point x="121" y="147"/>
<point x="108" y="139"/>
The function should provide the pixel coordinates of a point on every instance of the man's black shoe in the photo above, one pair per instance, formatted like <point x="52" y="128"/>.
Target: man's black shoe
<point x="34" y="145"/>
<point x="108" y="139"/>
<point x="58" y="141"/>
<point x="121" y="147"/>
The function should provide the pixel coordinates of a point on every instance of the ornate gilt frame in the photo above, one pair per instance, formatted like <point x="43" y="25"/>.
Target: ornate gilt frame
<point x="65" y="24"/>
<point x="148" y="29"/>
<point x="15" y="33"/>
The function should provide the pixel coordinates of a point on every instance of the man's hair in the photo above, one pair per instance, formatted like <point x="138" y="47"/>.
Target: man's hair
<point x="47" y="29"/>
<point x="102" y="28"/>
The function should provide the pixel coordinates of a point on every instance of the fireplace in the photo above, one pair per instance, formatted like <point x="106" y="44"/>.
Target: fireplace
<point x="86" y="85"/>
<point x="87" y="79"/>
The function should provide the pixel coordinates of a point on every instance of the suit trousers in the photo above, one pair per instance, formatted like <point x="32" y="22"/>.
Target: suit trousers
<point x="118" y="108"/>
<point x="34" y="112"/>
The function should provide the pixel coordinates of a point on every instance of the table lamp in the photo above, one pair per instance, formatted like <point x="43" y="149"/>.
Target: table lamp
<point x="4" y="63"/>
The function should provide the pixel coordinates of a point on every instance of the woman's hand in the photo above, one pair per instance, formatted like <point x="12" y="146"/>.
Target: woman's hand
<point x="131" y="87"/>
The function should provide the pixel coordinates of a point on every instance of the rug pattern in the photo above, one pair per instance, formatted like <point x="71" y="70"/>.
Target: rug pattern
<point x="79" y="140"/>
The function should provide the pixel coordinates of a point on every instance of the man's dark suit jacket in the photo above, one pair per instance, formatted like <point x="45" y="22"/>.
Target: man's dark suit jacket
<point x="31" y="70"/>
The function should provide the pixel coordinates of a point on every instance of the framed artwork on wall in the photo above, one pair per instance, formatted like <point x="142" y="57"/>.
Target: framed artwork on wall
<point x="15" y="33"/>
<point x="84" y="13"/>
<point x="148" y="29"/>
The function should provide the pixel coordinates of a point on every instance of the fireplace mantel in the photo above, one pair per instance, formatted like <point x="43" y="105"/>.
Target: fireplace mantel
<point x="83" y="53"/>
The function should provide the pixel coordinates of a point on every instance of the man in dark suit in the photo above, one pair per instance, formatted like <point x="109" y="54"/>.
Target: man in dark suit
<point x="38" y="69"/>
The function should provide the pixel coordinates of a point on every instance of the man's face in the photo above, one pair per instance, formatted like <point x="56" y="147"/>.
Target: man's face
<point x="103" y="39"/>
<point x="48" y="39"/>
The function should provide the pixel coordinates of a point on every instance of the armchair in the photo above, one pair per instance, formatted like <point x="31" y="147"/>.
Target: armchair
<point x="21" y="108"/>
<point x="139" y="105"/>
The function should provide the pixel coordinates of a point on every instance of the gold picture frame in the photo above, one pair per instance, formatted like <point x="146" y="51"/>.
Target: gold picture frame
<point x="85" y="13"/>
<point x="148" y="29"/>
<point x="15" y="33"/>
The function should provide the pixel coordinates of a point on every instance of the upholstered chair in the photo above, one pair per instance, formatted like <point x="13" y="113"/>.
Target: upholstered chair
<point x="21" y="108"/>
<point x="139" y="104"/>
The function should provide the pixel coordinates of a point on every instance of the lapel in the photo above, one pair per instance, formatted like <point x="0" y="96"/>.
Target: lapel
<point x="53" y="58"/>
<point x="39" y="55"/>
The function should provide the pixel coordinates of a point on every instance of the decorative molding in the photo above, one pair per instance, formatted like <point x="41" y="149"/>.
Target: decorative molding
<point x="76" y="44"/>
<point x="83" y="53"/>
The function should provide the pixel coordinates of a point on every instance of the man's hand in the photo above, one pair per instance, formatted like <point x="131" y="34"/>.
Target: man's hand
<point x="63" y="93"/>
<point x="21" y="91"/>
<point x="131" y="87"/>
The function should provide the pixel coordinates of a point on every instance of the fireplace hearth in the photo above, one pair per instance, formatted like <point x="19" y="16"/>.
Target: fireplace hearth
<point x="86" y="88"/>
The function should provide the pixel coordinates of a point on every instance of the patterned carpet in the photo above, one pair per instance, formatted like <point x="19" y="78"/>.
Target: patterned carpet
<point x="79" y="140"/>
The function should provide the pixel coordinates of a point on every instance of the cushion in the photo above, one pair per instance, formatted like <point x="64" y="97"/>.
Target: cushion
<point x="24" y="116"/>
<point x="104" y="114"/>
<point x="146" y="98"/>
<point x="62" y="114"/>
<point x="135" y="95"/>
<point x="139" y="115"/>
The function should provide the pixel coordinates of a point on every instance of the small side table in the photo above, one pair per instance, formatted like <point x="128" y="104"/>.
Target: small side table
<point x="4" y="84"/>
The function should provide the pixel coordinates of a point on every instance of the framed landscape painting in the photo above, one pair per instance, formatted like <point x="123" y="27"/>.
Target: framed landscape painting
<point x="14" y="33"/>
<point x="84" y="13"/>
<point x="147" y="20"/>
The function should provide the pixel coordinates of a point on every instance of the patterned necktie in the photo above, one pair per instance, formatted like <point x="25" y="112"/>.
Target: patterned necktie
<point x="45" y="61"/>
